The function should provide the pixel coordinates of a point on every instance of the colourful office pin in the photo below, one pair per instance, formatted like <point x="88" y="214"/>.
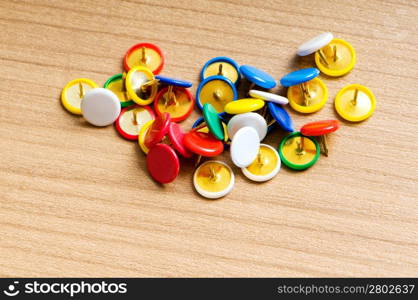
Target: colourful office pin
<point x="270" y="97"/>
<point x="265" y="166"/>
<point x="250" y="119"/>
<point x="116" y="84"/>
<point x="146" y="55"/>
<point x="100" y="107"/>
<point x="299" y="152"/>
<point x="315" y="44"/>
<point x="245" y="146"/>
<point x="131" y="120"/>
<point x="177" y="101"/>
<point x="158" y="130"/>
<point x="213" y="179"/>
<point x="213" y="121"/>
<point x="216" y="90"/>
<point x="281" y="116"/>
<point x="202" y="143"/>
<point x="176" y="136"/>
<point x="200" y="125"/>
<point x="258" y="77"/>
<point x="243" y="106"/>
<point x="142" y="134"/>
<point x="173" y="81"/>
<point x="222" y="66"/>
<point x="355" y="103"/>
<point x="306" y="92"/>
<point x="334" y="57"/>
<point x="74" y="91"/>
<point x="321" y="129"/>
<point x="141" y="85"/>
<point x="163" y="163"/>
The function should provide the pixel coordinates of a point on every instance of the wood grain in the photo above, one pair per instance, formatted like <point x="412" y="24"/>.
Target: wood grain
<point x="77" y="200"/>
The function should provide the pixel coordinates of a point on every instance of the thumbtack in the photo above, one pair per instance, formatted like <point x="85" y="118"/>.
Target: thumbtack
<point x="74" y="91"/>
<point x="306" y="92"/>
<point x="355" y="103"/>
<point x="221" y="66"/>
<point x="213" y="179"/>
<point x="299" y="152"/>
<point x="146" y="55"/>
<point x="320" y="129"/>
<point x="265" y="166"/>
<point x="216" y="90"/>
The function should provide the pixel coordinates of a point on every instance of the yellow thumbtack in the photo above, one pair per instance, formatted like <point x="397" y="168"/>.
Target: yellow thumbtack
<point x="336" y="59"/>
<point x="355" y="103"/>
<point x="73" y="93"/>
<point x="141" y="85"/>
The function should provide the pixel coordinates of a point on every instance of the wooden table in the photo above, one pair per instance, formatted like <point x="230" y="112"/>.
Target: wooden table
<point x="77" y="200"/>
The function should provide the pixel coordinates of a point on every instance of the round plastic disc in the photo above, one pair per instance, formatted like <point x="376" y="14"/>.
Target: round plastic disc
<point x="318" y="96"/>
<point x="135" y="79"/>
<point x="258" y="77"/>
<point x="244" y="147"/>
<point x="74" y="91"/>
<point x="270" y="97"/>
<point x="355" y="110"/>
<point x="229" y="69"/>
<point x="163" y="163"/>
<point x="338" y="59"/>
<point x="315" y="44"/>
<point x="213" y="179"/>
<point x="100" y="107"/>
<point x="319" y="127"/>
<point x="206" y="129"/>
<point x="216" y="90"/>
<point x="158" y="130"/>
<point x="243" y="106"/>
<point x="176" y="136"/>
<point x="265" y="166"/>
<point x="179" y="105"/>
<point x="204" y="144"/>
<point x="173" y="81"/>
<point x="213" y="121"/>
<point x="116" y="85"/>
<point x="299" y="152"/>
<point x="250" y="119"/>
<point x="142" y="134"/>
<point x="131" y="120"/>
<point x="153" y="60"/>
<point x="281" y="116"/>
<point x="299" y="76"/>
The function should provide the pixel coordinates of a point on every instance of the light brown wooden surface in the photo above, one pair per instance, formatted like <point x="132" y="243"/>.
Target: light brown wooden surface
<point x="77" y="200"/>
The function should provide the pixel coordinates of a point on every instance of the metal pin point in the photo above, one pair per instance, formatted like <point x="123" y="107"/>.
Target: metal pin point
<point x="324" y="144"/>
<point x="81" y="89"/>
<point x="220" y="71"/>
<point x="354" y="101"/>
<point x="143" y="56"/>
<point x="322" y="56"/>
